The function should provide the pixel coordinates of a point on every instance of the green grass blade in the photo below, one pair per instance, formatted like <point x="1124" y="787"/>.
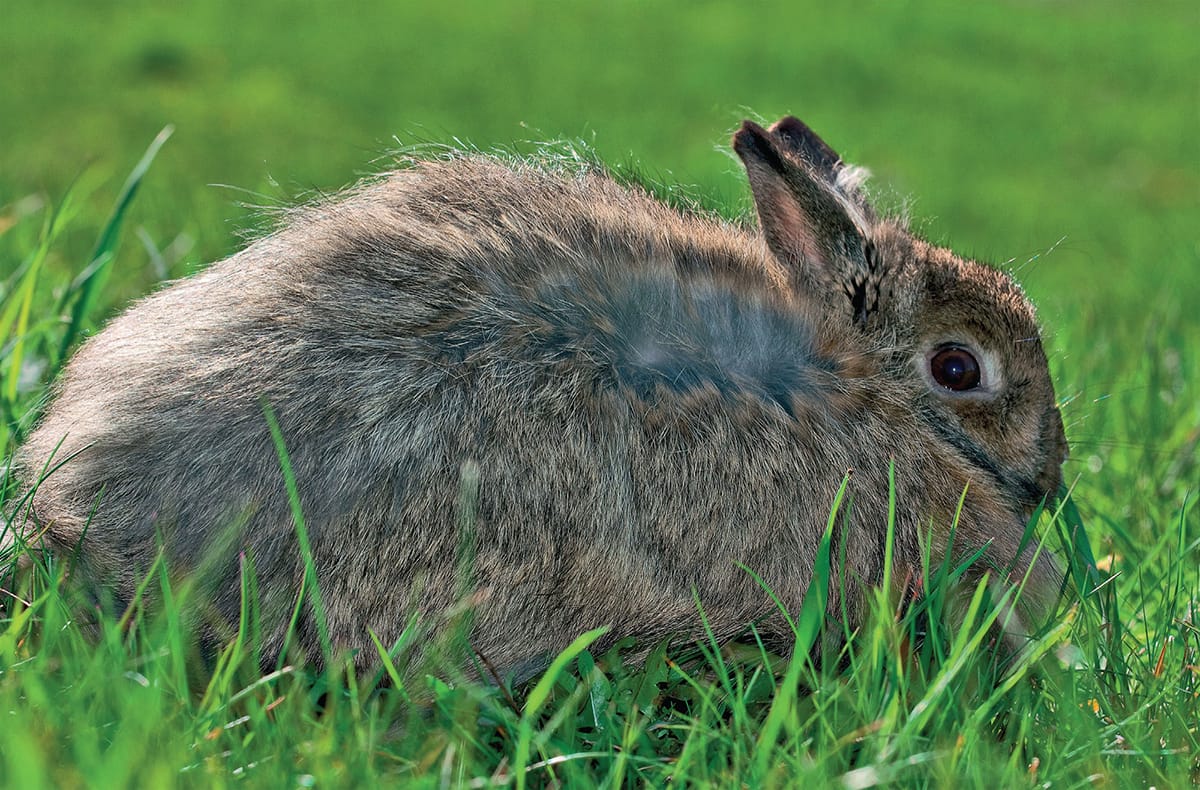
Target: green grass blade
<point x="84" y="289"/>
<point x="809" y="621"/>
<point x="540" y="694"/>
<point x="309" y="587"/>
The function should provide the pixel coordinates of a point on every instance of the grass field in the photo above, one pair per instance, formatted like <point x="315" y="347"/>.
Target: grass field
<point x="1058" y="139"/>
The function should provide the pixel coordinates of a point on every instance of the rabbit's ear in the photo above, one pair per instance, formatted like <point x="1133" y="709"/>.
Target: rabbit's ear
<point x="814" y="216"/>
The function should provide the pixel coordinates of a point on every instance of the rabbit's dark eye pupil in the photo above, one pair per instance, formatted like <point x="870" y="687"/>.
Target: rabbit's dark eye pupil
<point x="955" y="369"/>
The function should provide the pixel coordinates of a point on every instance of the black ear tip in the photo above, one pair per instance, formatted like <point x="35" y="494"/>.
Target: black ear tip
<point x="792" y="128"/>
<point x="799" y="138"/>
<point x="752" y="140"/>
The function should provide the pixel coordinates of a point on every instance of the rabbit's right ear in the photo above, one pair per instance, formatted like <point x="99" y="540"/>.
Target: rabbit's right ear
<point x="815" y="218"/>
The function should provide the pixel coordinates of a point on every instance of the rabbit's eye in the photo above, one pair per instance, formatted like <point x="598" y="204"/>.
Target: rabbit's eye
<point x="955" y="369"/>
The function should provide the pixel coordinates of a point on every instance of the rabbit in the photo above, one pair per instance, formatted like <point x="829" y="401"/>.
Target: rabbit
<point x="620" y="405"/>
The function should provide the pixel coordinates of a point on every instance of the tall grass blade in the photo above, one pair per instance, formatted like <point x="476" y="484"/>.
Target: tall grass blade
<point x="809" y="621"/>
<point x="84" y="289"/>
<point x="308" y="587"/>
<point x="540" y="694"/>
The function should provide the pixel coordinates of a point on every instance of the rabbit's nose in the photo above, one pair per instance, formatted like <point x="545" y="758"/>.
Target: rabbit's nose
<point x="1054" y="440"/>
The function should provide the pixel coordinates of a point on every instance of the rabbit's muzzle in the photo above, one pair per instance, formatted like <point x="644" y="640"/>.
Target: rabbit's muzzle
<point x="1054" y="439"/>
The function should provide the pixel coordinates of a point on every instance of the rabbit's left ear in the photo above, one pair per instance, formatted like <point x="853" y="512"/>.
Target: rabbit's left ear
<point x="814" y="216"/>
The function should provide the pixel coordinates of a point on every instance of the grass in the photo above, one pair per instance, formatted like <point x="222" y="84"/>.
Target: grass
<point x="1056" y="137"/>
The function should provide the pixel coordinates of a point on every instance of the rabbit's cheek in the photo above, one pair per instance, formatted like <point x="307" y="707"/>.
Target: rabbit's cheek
<point x="1031" y="445"/>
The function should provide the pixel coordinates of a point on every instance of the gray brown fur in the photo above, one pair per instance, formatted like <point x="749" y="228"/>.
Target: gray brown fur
<point x="651" y="398"/>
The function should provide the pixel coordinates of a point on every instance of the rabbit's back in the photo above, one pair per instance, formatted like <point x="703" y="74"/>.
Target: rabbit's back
<point x="645" y="403"/>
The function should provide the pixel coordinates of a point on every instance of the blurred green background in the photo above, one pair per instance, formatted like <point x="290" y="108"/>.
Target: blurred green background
<point x="1060" y="138"/>
<point x="1010" y="125"/>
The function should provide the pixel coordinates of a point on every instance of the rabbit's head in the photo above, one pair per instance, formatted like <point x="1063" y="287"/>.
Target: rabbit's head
<point x="960" y="340"/>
